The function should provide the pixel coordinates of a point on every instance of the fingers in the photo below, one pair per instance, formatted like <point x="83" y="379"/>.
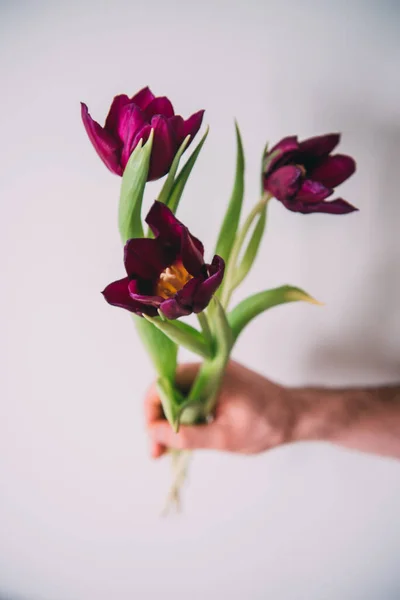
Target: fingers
<point x="153" y="413"/>
<point x="159" y="428"/>
<point x="185" y="375"/>
<point x="152" y="406"/>
<point x="152" y="403"/>
<point x="188" y="437"/>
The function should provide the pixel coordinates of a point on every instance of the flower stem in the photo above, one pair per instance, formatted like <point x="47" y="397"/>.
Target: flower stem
<point x="205" y="327"/>
<point x="236" y="248"/>
<point x="180" y="465"/>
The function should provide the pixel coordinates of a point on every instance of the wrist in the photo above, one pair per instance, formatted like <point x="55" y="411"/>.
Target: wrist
<point x="320" y="414"/>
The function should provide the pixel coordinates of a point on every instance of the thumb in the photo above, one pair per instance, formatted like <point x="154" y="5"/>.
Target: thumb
<point x="189" y="437"/>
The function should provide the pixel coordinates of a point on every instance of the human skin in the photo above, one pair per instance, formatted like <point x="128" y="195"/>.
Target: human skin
<point x="253" y="415"/>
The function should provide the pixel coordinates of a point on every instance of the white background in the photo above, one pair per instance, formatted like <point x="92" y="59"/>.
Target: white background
<point x="80" y="498"/>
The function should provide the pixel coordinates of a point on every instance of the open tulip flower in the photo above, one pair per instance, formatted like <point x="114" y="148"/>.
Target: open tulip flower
<point x="167" y="273"/>
<point x="167" y="278"/>
<point x="130" y="120"/>
<point x="302" y="175"/>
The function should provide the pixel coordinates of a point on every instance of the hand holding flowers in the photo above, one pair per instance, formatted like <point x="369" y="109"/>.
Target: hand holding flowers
<point x="167" y="277"/>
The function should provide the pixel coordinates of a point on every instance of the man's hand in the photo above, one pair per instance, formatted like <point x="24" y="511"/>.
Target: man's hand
<point x="252" y="415"/>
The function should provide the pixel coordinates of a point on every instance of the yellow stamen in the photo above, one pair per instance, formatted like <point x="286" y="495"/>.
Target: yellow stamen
<point x="171" y="280"/>
<point x="302" y="169"/>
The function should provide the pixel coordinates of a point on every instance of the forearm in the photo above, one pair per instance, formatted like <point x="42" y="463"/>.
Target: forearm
<point x="363" y="419"/>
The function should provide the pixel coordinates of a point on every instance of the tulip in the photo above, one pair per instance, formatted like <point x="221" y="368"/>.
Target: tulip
<point x="130" y="120"/>
<point x="167" y="273"/>
<point x="302" y="175"/>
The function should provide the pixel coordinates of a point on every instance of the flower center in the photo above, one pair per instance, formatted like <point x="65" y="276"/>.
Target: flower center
<point x="302" y="169"/>
<point x="171" y="280"/>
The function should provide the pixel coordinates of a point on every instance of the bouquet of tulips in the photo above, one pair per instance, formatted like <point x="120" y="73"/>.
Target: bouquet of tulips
<point x="167" y="277"/>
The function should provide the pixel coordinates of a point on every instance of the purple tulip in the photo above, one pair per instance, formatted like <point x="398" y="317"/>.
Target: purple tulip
<point x="303" y="174"/>
<point x="167" y="272"/>
<point x="130" y="120"/>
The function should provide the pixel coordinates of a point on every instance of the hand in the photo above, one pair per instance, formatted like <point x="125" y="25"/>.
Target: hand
<point x="252" y="415"/>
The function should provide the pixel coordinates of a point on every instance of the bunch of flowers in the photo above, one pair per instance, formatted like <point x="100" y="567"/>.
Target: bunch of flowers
<point x="167" y="277"/>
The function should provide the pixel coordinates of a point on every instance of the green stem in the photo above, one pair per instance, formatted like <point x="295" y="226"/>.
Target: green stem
<point x="205" y="327"/>
<point x="237" y="246"/>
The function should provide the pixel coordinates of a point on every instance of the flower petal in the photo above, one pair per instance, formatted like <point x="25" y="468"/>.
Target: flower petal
<point x="149" y="304"/>
<point x="182" y="303"/>
<point x="184" y="128"/>
<point x="163" y="222"/>
<point x="146" y="258"/>
<point x="117" y="294"/>
<point x="169" y="230"/>
<point x="207" y="288"/>
<point x="173" y="310"/>
<point x="143" y="98"/>
<point x="131" y="122"/>
<point x="192" y="252"/>
<point x="333" y="170"/>
<point x="159" y="106"/>
<point x="284" y="183"/>
<point x="114" y="113"/>
<point x="163" y="150"/>
<point x="280" y="154"/>
<point x="105" y="145"/>
<point x="336" y="207"/>
<point x="320" y="145"/>
<point x="312" y="191"/>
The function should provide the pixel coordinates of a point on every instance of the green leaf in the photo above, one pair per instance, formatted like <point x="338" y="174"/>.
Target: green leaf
<point x="251" y="251"/>
<point x="132" y="189"/>
<point x="169" y="182"/>
<point x="206" y="386"/>
<point x="253" y="306"/>
<point x="176" y="408"/>
<point x="232" y="216"/>
<point x="180" y="181"/>
<point x="182" y="334"/>
<point x="163" y="352"/>
<point x="161" y="349"/>
<point x="171" y="401"/>
<point x="221" y="329"/>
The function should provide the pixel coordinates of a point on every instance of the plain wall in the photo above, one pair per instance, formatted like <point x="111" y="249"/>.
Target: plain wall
<point x="80" y="498"/>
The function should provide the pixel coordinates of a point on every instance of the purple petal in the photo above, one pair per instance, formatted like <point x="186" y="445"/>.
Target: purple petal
<point x="207" y="288"/>
<point x="280" y="154"/>
<point x="163" y="222"/>
<point x="312" y="191"/>
<point x="182" y="303"/>
<point x="147" y="302"/>
<point x="163" y="150"/>
<point x="186" y="295"/>
<point x="336" y="207"/>
<point x="184" y="128"/>
<point x="159" y="106"/>
<point x="114" y="113"/>
<point x="142" y="134"/>
<point x="169" y="230"/>
<point x="143" y="98"/>
<point x="333" y="170"/>
<point x="173" y="310"/>
<point x="320" y="145"/>
<point x="146" y="258"/>
<point x="284" y="183"/>
<point x="130" y="124"/>
<point x="105" y="145"/>
<point x="192" y="252"/>
<point x="117" y="294"/>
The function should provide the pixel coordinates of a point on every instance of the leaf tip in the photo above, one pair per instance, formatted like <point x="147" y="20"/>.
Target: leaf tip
<point x="297" y="295"/>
